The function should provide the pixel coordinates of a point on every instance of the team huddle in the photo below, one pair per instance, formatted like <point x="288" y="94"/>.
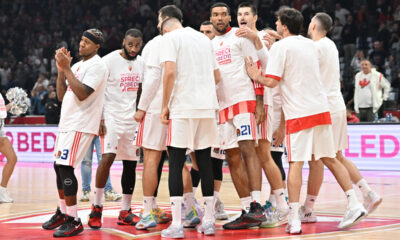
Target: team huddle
<point x="223" y="93"/>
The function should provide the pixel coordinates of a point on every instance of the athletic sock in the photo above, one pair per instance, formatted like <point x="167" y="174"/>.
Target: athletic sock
<point x="63" y="207"/>
<point x="216" y="196"/>
<point x="245" y="203"/>
<point x="294" y="210"/>
<point x="72" y="211"/>
<point x="272" y="199"/>
<point x="209" y="209"/>
<point x="147" y="205"/>
<point x="256" y="196"/>
<point x="194" y="190"/>
<point x="98" y="196"/>
<point x="281" y="204"/>
<point x="126" y="201"/>
<point x="154" y="203"/>
<point x="310" y="201"/>
<point x="352" y="200"/>
<point x="189" y="200"/>
<point x="364" y="187"/>
<point x="176" y="205"/>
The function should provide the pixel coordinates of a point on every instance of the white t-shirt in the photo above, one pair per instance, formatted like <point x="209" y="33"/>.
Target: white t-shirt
<point x="263" y="55"/>
<point x="123" y="81"/>
<point x="235" y="85"/>
<point x="194" y="90"/>
<point x="329" y="68"/>
<point x="365" y="93"/>
<point x="84" y="116"/>
<point x="3" y="110"/>
<point x="294" y="62"/>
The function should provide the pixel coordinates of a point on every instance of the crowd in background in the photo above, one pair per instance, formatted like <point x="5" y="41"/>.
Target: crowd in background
<point x="31" y="31"/>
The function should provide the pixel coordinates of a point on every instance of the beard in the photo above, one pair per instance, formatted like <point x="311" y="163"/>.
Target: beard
<point x="129" y="57"/>
<point x="223" y="30"/>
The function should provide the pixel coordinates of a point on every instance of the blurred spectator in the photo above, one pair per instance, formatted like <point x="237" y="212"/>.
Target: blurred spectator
<point x="52" y="108"/>
<point x="349" y="36"/>
<point x="356" y="61"/>
<point x="5" y="70"/>
<point x="341" y="13"/>
<point x="378" y="56"/>
<point x="37" y="107"/>
<point x="336" y="32"/>
<point x="351" y="117"/>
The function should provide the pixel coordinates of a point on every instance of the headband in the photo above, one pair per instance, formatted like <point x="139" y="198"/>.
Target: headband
<point x="92" y="37"/>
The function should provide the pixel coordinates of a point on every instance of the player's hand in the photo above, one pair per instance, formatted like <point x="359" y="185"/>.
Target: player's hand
<point x="63" y="59"/>
<point x="164" y="115"/>
<point x="268" y="41"/>
<point x="246" y="32"/>
<point x="273" y="34"/>
<point x="260" y="113"/>
<point x="139" y="115"/>
<point x="252" y="70"/>
<point x="102" y="128"/>
<point x="279" y="135"/>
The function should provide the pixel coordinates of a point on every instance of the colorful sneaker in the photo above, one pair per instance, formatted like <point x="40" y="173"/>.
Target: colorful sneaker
<point x="5" y="196"/>
<point x="240" y="223"/>
<point x="372" y="201"/>
<point x="353" y="216"/>
<point x="147" y="222"/>
<point x="206" y="227"/>
<point x="95" y="217"/>
<point x="219" y="208"/>
<point x="70" y="228"/>
<point x="275" y="218"/>
<point x="293" y="226"/>
<point x="199" y="208"/>
<point x="55" y="221"/>
<point x="161" y="216"/>
<point x="126" y="217"/>
<point x="85" y="196"/>
<point x="191" y="219"/>
<point x="307" y="215"/>
<point x="256" y="213"/>
<point x="173" y="231"/>
<point x="112" y="196"/>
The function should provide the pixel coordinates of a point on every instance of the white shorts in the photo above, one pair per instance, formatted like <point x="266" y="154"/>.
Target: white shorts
<point x="241" y="127"/>
<point x="192" y="133"/>
<point x="151" y="133"/>
<point x="264" y="130"/>
<point x="339" y="127"/>
<point x="317" y="141"/>
<point x="70" y="147"/>
<point x="218" y="153"/>
<point x="119" y="140"/>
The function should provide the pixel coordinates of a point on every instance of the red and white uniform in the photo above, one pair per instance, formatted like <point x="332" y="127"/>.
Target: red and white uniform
<point x="277" y="115"/>
<point x="120" y="105"/>
<point x="236" y="92"/>
<point x="3" y="115"/>
<point x="330" y="77"/>
<point x="152" y="134"/>
<point x="80" y="120"/>
<point x="193" y="101"/>
<point x="294" y="63"/>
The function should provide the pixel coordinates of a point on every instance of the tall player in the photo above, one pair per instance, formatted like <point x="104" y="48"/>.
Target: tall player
<point x="329" y="67"/>
<point x="81" y="89"/>
<point x="123" y="83"/>
<point x="189" y="105"/>
<point x="294" y="65"/>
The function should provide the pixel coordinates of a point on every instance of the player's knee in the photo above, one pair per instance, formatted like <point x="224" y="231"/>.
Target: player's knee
<point x="69" y="181"/>
<point x="107" y="159"/>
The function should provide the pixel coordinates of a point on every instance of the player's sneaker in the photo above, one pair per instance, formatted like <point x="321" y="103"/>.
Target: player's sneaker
<point x="126" y="217"/>
<point x="275" y="218"/>
<point x="147" y="221"/>
<point x="55" y="221"/>
<point x="293" y="226"/>
<point x="112" y="196"/>
<point x="219" y="208"/>
<point x="191" y="219"/>
<point x="95" y="217"/>
<point x="85" y="196"/>
<point x="256" y="213"/>
<point x="199" y="208"/>
<point x="161" y="216"/>
<point x="372" y="201"/>
<point x="240" y="223"/>
<point x="5" y="196"/>
<point x="307" y="215"/>
<point x="173" y="231"/>
<point x="206" y="227"/>
<point x="353" y="216"/>
<point x="70" y="228"/>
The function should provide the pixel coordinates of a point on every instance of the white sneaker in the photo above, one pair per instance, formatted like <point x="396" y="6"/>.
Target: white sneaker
<point x="275" y="218"/>
<point x="307" y="215"/>
<point x="5" y="196"/>
<point x="206" y="227"/>
<point x="294" y="225"/>
<point x="220" y="213"/>
<point x="199" y="208"/>
<point x="372" y="201"/>
<point x="191" y="219"/>
<point x="353" y="216"/>
<point x="85" y="196"/>
<point x="173" y="231"/>
<point x="112" y="195"/>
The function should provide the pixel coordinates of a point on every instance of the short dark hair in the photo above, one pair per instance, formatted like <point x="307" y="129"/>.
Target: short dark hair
<point x="97" y="34"/>
<point x="171" y="11"/>
<point x="220" y="4"/>
<point x="292" y="19"/>
<point x="325" y="21"/>
<point x="168" y="21"/>
<point x="250" y="5"/>
<point x="206" y="23"/>
<point x="134" y="32"/>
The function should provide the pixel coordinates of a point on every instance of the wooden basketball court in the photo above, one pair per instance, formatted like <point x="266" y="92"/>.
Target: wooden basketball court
<point x="33" y="188"/>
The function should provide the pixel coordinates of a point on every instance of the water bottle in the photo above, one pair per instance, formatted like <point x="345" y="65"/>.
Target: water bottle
<point x="387" y="117"/>
<point x="376" y="118"/>
<point x="390" y="117"/>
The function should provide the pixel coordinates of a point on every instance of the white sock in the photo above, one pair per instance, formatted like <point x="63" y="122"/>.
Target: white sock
<point x="216" y="196"/>
<point x="189" y="199"/>
<point x="126" y="201"/>
<point x="272" y="200"/>
<point x="98" y="196"/>
<point x="209" y="209"/>
<point x="280" y="199"/>
<point x="352" y="200"/>
<point x="147" y="205"/>
<point x="72" y="211"/>
<point x="246" y="203"/>
<point x="194" y="190"/>
<point x="176" y="205"/>
<point x="154" y="203"/>
<point x="63" y="207"/>
<point x="364" y="187"/>
<point x="256" y="196"/>
<point x="310" y="201"/>
<point x="294" y="210"/>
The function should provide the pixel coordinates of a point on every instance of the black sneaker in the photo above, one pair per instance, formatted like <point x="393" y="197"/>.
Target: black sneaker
<point x="55" y="221"/>
<point x="256" y="213"/>
<point x="70" y="228"/>
<point x="240" y="223"/>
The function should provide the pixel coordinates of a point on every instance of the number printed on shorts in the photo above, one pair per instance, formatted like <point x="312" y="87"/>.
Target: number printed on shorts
<point x="64" y="154"/>
<point x="245" y="130"/>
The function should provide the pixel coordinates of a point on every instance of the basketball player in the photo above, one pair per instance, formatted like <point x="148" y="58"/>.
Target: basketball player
<point x="329" y="67"/>
<point x="188" y="107"/>
<point x="207" y="29"/>
<point x="125" y="69"/>
<point x="294" y="65"/>
<point x="81" y="89"/>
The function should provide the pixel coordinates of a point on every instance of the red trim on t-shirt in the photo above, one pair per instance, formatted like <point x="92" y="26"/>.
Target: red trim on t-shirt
<point x="238" y="108"/>
<point x="298" y="124"/>
<point x="273" y="76"/>
<point x="229" y="28"/>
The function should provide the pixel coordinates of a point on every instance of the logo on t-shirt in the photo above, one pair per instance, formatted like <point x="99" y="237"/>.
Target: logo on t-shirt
<point x="223" y="55"/>
<point x="364" y="82"/>
<point x="129" y="82"/>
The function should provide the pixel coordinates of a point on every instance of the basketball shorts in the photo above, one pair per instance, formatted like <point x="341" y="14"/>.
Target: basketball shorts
<point x="241" y="127"/>
<point x="151" y="133"/>
<point x="339" y="127"/>
<point x="264" y="130"/>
